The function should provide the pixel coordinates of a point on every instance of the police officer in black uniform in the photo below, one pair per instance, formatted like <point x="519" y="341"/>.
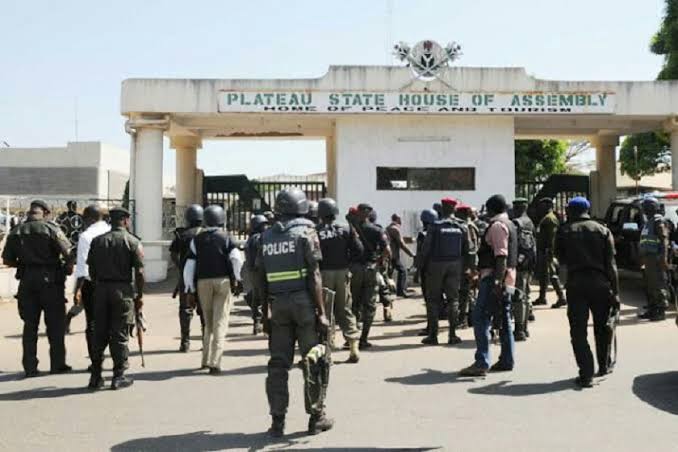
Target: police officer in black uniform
<point x="337" y="244"/>
<point x="289" y="258"/>
<point x="179" y="251"/>
<point x="527" y="254"/>
<point x="40" y="252"/>
<point x="586" y="247"/>
<point x="116" y="264"/>
<point x="446" y="253"/>
<point x="364" y="281"/>
<point x="255" y="295"/>
<point x="428" y="217"/>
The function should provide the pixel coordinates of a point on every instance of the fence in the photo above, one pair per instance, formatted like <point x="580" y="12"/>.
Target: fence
<point x="242" y="198"/>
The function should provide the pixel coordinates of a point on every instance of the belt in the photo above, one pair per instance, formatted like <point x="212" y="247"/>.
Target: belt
<point x="286" y="276"/>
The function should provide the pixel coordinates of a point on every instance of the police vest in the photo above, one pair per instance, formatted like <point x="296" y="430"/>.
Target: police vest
<point x="334" y="246"/>
<point x="486" y="256"/>
<point x="185" y="238"/>
<point x="650" y="243"/>
<point x="213" y="248"/>
<point x="448" y="239"/>
<point x="251" y="249"/>
<point x="283" y="255"/>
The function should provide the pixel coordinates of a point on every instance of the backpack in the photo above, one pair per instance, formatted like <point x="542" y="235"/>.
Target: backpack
<point x="527" y="245"/>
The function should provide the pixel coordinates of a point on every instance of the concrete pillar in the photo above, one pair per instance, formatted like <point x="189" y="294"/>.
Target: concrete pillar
<point x="605" y="190"/>
<point x="331" y="166"/>
<point x="186" y="169"/>
<point x="148" y="200"/>
<point x="671" y="126"/>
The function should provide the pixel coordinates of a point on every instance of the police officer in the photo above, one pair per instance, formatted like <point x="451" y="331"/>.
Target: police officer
<point x="213" y="270"/>
<point x="383" y="281"/>
<point x="526" y="259"/>
<point x="255" y="293"/>
<point x="116" y="264"/>
<point x="289" y="258"/>
<point x="446" y="251"/>
<point x="364" y="282"/>
<point x="427" y="217"/>
<point x="547" y="265"/>
<point x="40" y="252"/>
<point x="654" y="250"/>
<point x="464" y="213"/>
<point x="337" y="244"/>
<point x="179" y="251"/>
<point x="586" y="248"/>
<point x="313" y="212"/>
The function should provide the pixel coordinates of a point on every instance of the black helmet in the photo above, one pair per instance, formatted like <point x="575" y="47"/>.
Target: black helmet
<point x="291" y="201"/>
<point x="428" y="216"/>
<point x="257" y="223"/>
<point x="372" y="216"/>
<point x="214" y="216"/>
<point x="327" y="207"/>
<point x="193" y="214"/>
<point x="313" y="209"/>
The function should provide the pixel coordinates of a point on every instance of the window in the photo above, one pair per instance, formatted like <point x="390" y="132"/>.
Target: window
<point x="426" y="179"/>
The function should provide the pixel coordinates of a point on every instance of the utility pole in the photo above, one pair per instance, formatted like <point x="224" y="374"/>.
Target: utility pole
<point x="637" y="178"/>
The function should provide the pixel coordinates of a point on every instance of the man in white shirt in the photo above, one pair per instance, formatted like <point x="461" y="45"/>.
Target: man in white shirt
<point x="215" y="263"/>
<point x="84" y="287"/>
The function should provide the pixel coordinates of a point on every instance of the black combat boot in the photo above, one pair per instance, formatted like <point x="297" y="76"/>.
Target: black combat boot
<point x="657" y="315"/>
<point x="185" y="345"/>
<point x="519" y="335"/>
<point x="319" y="423"/>
<point x="96" y="382"/>
<point x="559" y="304"/>
<point x="121" y="382"/>
<point x="62" y="369"/>
<point x="364" y="335"/>
<point x="452" y="338"/>
<point x="277" y="429"/>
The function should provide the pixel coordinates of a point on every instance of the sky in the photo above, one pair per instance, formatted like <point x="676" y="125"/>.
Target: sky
<point x="59" y="57"/>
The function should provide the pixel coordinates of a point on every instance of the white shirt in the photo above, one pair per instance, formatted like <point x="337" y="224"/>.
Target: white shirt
<point x="84" y="243"/>
<point x="235" y="256"/>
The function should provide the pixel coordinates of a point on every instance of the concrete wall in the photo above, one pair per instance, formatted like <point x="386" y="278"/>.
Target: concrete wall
<point x="485" y="143"/>
<point x="78" y="170"/>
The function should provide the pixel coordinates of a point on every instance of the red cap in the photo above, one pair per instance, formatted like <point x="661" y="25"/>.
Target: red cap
<point x="353" y="210"/>
<point x="462" y="206"/>
<point x="450" y="201"/>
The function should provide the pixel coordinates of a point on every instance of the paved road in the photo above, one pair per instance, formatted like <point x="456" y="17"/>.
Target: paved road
<point x="401" y="396"/>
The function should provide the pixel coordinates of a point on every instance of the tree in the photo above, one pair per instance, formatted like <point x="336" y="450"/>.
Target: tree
<point x="654" y="155"/>
<point x="665" y="42"/>
<point x="536" y="160"/>
<point x="653" y="147"/>
<point x="575" y="156"/>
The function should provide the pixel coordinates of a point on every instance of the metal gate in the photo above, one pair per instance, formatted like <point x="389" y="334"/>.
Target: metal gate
<point x="241" y="197"/>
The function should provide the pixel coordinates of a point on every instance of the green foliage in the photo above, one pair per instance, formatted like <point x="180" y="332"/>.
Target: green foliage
<point x="536" y="160"/>
<point x="665" y="42"/>
<point x="654" y="155"/>
<point x="653" y="147"/>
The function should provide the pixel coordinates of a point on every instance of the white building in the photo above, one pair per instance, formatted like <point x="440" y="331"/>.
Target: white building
<point x="393" y="139"/>
<point x="79" y="170"/>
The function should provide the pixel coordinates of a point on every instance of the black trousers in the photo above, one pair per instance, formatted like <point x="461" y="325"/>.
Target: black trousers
<point x="186" y="315"/>
<point x="401" y="279"/>
<point x="589" y="293"/>
<point x="114" y="313"/>
<point x="34" y="299"/>
<point x="88" y="305"/>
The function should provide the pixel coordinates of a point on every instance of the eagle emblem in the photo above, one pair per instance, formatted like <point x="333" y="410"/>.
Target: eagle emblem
<point x="427" y="58"/>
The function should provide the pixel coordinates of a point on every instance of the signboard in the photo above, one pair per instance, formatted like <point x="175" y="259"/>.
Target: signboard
<point x="347" y="102"/>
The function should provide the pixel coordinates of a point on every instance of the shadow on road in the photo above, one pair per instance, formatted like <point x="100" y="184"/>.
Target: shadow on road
<point x="163" y="375"/>
<point x="48" y="392"/>
<point x="659" y="390"/>
<point x="429" y="377"/>
<point x="523" y="390"/>
<point x="205" y="441"/>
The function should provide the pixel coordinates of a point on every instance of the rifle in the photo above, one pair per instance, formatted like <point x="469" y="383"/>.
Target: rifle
<point x="141" y="327"/>
<point x="318" y="360"/>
